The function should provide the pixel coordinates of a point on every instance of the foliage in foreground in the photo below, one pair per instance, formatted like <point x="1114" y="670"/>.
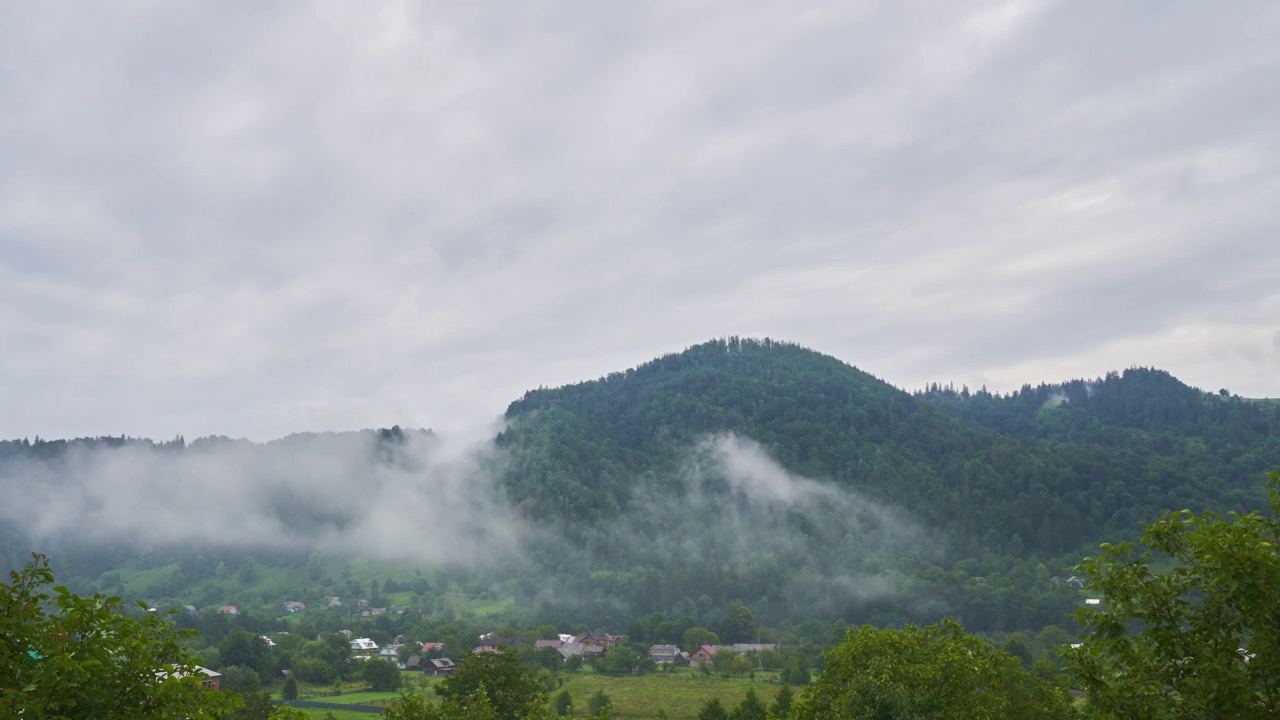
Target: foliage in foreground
<point x="927" y="672"/>
<point x="1200" y="641"/>
<point x="63" y="655"/>
<point x="485" y="686"/>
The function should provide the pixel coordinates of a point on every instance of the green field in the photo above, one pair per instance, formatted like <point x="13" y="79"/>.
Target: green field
<point x="340" y="714"/>
<point x="354" y="698"/>
<point x="679" y="694"/>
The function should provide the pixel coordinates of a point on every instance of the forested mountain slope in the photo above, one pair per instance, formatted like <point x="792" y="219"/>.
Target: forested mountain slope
<point x="1055" y="467"/>
<point x="1143" y="399"/>
<point x="1149" y="441"/>
<point x="737" y="475"/>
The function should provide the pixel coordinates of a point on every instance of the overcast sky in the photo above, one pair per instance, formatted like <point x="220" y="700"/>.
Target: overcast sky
<point x="254" y="218"/>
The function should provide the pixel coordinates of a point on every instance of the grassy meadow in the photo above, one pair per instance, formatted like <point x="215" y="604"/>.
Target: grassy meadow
<point x="679" y="694"/>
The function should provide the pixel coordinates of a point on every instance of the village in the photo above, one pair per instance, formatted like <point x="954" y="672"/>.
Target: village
<point x="410" y="648"/>
<point x="430" y="657"/>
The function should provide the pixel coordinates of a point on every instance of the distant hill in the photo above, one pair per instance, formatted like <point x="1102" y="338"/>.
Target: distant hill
<point x="582" y="449"/>
<point x="738" y="478"/>
<point x="1144" y="399"/>
<point x="1057" y="466"/>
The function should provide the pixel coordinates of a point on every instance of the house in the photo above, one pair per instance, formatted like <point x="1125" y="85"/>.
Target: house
<point x="744" y="648"/>
<point x="293" y="607"/>
<point x="429" y="646"/>
<point x="600" y="639"/>
<point x="413" y="663"/>
<point x="706" y="652"/>
<point x="212" y="680"/>
<point x="664" y="653"/>
<point x="1093" y="601"/>
<point x="270" y="643"/>
<point x="1076" y="581"/>
<point x="589" y="652"/>
<point x="569" y="649"/>
<point x="489" y="643"/>
<point x="362" y="604"/>
<point x="439" y="666"/>
<point x="332" y="601"/>
<point x="363" y="644"/>
<point x="229" y="610"/>
<point x="390" y="651"/>
<point x="378" y="611"/>
<point x="702" y="655"/>
<point x="348" y="633"/>
<point x="540" y="644"/>
<point x="399" y="609"/>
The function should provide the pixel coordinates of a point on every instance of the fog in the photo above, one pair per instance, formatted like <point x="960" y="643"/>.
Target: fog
<point x="727" y="521"/>
<point x="422" y="499"/>
<point x="734" y="524"/>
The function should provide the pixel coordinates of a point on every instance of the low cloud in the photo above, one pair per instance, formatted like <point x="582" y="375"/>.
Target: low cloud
<point x="729" y="522"/>
<point x="349" y="494"/>
<point x="1057" y="399"/>
<point x="732" y="521"/>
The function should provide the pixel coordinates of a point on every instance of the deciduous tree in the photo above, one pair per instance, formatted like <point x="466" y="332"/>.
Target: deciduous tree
<point x="509" y="687"/>
<point x="381" y="674"/>
<point x="1200" y="640"/>
<point x="67" y="656"/>
<point x="934" y="671"/>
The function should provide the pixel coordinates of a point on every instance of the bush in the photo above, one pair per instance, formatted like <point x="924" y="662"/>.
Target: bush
<point x="381" y="674"/>
<point x="599" y="703"/>
<point x="564" y="703"/>
<point x="313" y="671"/>
<point x="239" y="676"/>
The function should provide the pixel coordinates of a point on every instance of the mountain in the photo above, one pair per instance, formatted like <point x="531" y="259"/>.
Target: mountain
<point x="996" y="485"/>
<point x="1145" y="440"/>
<point x="582" y="449"/>
<point x="1058" y="466"/>
<point x="738" y="481"/>
<point x="1142" y="399"/>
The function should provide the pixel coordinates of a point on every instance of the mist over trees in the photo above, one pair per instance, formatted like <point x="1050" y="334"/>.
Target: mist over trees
<point x="738" y="484"/>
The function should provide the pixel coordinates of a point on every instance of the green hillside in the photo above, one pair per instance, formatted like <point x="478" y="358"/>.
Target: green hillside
<point x="582" y="449"/>
<point x="1056" y="474"/>
<point x="737" y="484"/>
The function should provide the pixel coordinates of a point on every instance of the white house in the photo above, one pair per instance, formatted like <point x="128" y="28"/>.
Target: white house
<point x="362" y="644"/>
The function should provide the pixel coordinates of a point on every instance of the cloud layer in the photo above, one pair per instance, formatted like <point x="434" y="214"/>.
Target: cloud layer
<point x="730" y="520"/>
<point x="258" y="218"/>
<point x="345" y="494"/>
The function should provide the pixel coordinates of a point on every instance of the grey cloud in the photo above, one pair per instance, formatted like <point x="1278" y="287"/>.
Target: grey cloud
<point x="259" y="218"/>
